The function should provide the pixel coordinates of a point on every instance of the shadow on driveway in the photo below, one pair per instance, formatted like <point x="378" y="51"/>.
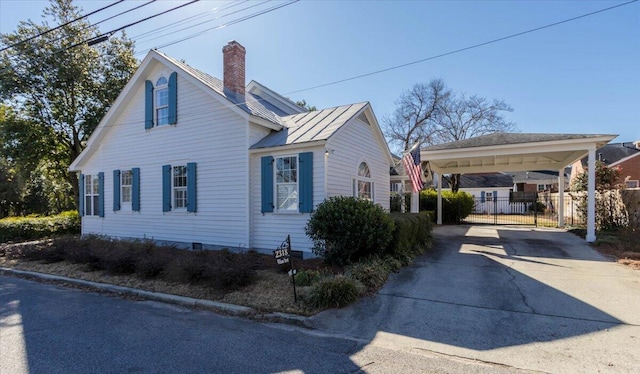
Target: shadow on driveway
<point x="482" y="288"/>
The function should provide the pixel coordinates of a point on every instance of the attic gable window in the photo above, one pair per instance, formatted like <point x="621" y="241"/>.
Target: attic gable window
<point x="162" y="101"/>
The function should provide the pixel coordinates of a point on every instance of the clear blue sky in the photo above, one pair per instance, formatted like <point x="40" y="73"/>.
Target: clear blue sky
<point x="578" y="77"/>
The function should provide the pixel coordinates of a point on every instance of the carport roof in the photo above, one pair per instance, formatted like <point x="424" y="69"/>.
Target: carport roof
<point x="511" y="152"/>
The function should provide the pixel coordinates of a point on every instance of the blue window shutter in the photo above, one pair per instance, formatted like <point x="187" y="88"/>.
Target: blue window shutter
<point x="81" y="195"/>
<point x="482" y="198"/>
<point x="135" y="189"/>
<point x="101" y="194"/>
<point x="116" y="190"/>
<point x="148" y="105"/>
<point x="166" y="188"/>
<point x="173" y="98"/>
<point x="192" y="190"/>
<point x="267" y="184"/>
<point x="305" y="182"/>
<point x="495" y="195"/>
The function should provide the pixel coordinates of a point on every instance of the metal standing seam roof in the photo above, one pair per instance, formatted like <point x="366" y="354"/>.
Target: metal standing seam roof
<point x="310" y="126"/>
<point x="252" y="104"/>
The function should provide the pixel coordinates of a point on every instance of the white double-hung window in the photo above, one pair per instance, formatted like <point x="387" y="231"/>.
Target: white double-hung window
<point x="179" y="187"/>
<point x="162" y="101"/>
<point x="286" y="183"/>
<point x="126" y="180"/>
<point x="91" y="195"/>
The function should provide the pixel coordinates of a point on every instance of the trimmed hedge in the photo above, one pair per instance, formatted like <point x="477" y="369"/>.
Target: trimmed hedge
<point x="456" y="206"/>
<point x="411" y="237"/>
<point x="219" y="270"/>
<point x="26" y="228"/>
<point x="345" y="229"/>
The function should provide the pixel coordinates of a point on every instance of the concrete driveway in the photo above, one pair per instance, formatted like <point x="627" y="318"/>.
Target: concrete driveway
<point x="529" y="298"/>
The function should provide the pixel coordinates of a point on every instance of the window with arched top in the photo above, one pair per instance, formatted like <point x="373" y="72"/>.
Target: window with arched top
<point x="362" y="184"/>
<point x="162" y="101"/>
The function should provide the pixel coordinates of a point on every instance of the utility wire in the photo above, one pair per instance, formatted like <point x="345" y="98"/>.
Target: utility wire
<point x="185" y="20"/>
<point x="462" y="49"/>
<point x="207" y="21"/>
<point x="109" y="33"/>
<point x="203" y="112"/>
<point x="60" y="26"/>
<point x="106" y="19"/>
<point x="229" y="23"/>
<point x="106" y="35"/>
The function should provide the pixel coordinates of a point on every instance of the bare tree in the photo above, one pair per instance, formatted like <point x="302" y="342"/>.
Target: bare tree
<point x="459" y="117"/>
<point x="432" y="114"/>
<point x="413" y="119"/>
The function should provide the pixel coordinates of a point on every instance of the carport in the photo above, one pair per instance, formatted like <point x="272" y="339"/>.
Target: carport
<point x="519" y="152"/>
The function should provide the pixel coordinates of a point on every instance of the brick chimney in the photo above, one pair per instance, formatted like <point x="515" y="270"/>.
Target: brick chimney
<point x="233" y="56"/>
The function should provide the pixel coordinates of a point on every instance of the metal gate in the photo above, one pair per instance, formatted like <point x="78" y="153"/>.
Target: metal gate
<point x="519" y="208"/>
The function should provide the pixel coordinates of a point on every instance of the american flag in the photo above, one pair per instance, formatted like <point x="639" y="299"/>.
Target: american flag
<point x="411" y="163"/>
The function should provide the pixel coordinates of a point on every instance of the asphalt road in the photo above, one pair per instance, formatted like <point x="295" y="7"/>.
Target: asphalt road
<point x="51" y="329"/>
<point x="488" y="300"/>
<point x="535" y="299"/>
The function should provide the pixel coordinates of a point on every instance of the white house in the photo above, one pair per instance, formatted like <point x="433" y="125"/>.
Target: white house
<point x="185" y="158"/>
<point x="490" y="191"/>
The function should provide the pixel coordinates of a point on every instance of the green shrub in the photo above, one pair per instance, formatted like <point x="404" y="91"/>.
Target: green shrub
<point x="392" y="264"/>
<point x="33" y="227"/>
<point x="307" y="277"/>
<point x="411" y="237"/>
<point x="395" y="202"/>
<point x="456" y="206"/>
<point x="537" y="207"/>
<point x="345" y="229"/>
<point x="372" y="274"/>
<point x="335" y="291"/>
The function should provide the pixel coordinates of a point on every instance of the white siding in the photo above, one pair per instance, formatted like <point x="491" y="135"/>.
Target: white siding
<point x="256" y="133"/>
<point x="270" y="229"/>
<point x="489" y="206"/>
<point x="353" y="143"/>
<point x="207" y="133"/>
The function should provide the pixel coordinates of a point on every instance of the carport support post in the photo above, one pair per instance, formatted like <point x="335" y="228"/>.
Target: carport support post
<point x="415" y="202"/>
<point x="439" y="220"/>
<point x="560" y="207"/>
<point x="591" y="196"/>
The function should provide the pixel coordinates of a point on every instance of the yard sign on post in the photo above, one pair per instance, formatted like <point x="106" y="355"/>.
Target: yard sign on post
<point x="283" y="255"/>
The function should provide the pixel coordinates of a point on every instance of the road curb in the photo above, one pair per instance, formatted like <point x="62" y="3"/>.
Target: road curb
<point x="215" y="306"/>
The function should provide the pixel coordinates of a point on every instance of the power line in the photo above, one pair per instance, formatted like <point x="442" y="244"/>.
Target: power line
<point x="185" y="20"/>
<point x="461" y="49"/>
<point x="203" y="22"/>
<point x="109" y="33"/>
<point x="106" y="19"/>
<point x="229" y="23"/>
<point x="60" y="26"/>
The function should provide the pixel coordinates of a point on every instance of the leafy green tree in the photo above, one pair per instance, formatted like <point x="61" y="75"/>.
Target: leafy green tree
<point x="60" y="87"/>
<point x="303" y="104"/>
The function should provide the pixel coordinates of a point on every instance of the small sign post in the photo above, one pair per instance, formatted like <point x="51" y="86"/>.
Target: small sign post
<point x="283" y="255"/>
